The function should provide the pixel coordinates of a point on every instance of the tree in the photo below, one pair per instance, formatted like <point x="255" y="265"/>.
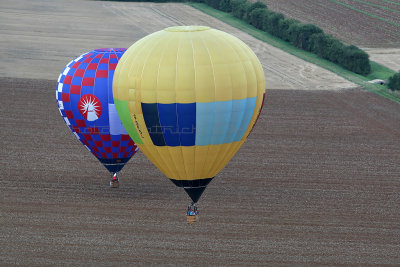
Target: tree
<point x="356" y="60"/>
<point x="322" y="45"/>
<point x="293" y="33"/>
<point x="213" y="3"/>
<point x="335" y="51"/>
<point x="283" y="27"/>
<point x="271" y="23"/>
<point x="305" y="32"/>
<point x="240" y="10"/>
<point x="225" y="5"/>
<point x="235" y="4"/>
<point x="257" y="5"/>
<point x="394" y="82"/>
<point x="257" y="17"/>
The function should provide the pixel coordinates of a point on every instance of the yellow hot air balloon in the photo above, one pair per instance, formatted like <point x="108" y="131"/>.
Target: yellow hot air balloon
<point x="188" y="97"/>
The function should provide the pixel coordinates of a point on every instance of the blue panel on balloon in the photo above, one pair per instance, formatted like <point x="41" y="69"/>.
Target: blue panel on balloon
<point x="107" y="143"/>
<point x="83" y="66"/>
<point x="96" y="137"/>
<point x="187" y="123"/>
<point x="76" y="80"/>
<point x="113" y="60"/>
<point x="115" y="137"/>
<point x="66" y="88"/>
<point x="150" y="115"/>
<point x="90" y="73"/>
<point x="71" y="72"/>
<point x="169" y="123"/>
<point x="110" y="81"/>
<point x="101" y="83"/>
<point x="102" y="66"/>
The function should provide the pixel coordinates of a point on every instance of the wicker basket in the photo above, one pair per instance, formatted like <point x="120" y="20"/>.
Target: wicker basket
<point x="114" y="184"/>
<point x="192" y="218"/>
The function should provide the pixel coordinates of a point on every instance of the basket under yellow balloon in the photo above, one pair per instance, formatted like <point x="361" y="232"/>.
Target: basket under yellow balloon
<point x="188" y="97"/>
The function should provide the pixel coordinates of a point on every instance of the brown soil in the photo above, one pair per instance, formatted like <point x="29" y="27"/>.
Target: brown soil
<point x="317" y="183"/>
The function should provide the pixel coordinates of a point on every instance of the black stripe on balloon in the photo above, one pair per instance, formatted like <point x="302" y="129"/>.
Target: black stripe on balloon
<point x="192" y="183"/>
<point x="114" y="160"/>
<point x="114" y="165"/>
<point x="150" y="115"/>
<point x="193" y="188"/>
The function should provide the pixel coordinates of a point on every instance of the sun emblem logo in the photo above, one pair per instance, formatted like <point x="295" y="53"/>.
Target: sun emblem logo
<point x="90" y="107"/>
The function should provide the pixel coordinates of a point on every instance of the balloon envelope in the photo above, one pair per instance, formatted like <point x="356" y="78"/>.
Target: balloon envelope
<point x="85" y="100"/>
<point x="189" y="96"/>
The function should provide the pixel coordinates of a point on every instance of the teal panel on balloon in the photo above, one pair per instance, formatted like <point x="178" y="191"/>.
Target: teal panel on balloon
<point x="204" y="122"/>
<point x="237" y="116"/>
<point x="247" y="114"/>
<point x="222" y="117"/>
<point x="223" y="122"/>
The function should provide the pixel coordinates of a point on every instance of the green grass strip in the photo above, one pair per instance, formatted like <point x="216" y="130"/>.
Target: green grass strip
<point x="377" y="71"/>
<point x="365" y="13"/>
<point x="378" y="6"/>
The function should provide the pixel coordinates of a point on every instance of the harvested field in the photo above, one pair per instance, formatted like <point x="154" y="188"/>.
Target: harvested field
<point x="317" y="182"/>
<point x="389" y="57"/>
<point x="64" y="30"/>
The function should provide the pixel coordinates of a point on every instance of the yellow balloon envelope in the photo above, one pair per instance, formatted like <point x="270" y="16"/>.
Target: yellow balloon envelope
<point x="188" y="97"/>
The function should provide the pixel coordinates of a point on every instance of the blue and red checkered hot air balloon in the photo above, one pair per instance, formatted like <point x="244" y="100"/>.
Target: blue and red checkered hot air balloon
<point x="85" y="101"/>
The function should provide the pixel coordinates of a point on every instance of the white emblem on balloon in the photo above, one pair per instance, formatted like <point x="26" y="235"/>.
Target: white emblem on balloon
<point x="90" y="107"/>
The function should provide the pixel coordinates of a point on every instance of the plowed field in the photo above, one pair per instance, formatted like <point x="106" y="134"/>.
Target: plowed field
<point x="354" y="21"/>
<point x="370" y="24"/>
<point x="316" y="182"/>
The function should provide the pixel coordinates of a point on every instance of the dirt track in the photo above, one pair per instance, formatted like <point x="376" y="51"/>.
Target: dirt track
<point x="317" y="182"/>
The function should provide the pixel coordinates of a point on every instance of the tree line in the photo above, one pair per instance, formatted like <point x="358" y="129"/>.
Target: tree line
<point x="307" y="37"/>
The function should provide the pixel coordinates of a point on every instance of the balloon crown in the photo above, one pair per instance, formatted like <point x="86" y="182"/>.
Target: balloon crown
<point x="108" y="50"/>
<point x="192" y="28"/>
